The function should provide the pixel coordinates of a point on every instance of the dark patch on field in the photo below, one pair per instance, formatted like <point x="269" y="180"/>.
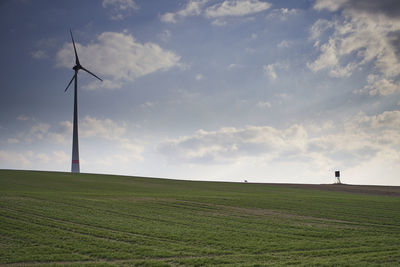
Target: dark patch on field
<point x="347" y="188"/>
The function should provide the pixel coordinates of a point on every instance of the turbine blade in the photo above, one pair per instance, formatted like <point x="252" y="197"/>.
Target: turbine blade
<point x="76" y="54"/>
<point x="70" y="82"/>
<point x="91" y="73"/>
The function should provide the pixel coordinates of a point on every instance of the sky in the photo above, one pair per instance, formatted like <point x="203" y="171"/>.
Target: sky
<point x="269" y="91"/>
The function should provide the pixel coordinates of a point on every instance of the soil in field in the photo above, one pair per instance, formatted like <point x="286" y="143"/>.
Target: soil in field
<point x="357" y="189"/>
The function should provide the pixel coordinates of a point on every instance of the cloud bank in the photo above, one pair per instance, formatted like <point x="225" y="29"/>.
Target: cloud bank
<point x="366" y="32"/>
<point x="117" y="146"/>
<point x="227" y="8"/>
<point x="120" y="9"/>
<point x="352" y="142"/>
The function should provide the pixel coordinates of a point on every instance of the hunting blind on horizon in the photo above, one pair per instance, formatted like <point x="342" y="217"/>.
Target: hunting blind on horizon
<point x="337" y="176"/>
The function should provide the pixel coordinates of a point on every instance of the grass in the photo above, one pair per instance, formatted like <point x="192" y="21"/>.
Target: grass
<point x="83" y="219"/>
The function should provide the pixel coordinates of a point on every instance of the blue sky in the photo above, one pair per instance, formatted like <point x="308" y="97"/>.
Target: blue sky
<point x="227" y="90"/>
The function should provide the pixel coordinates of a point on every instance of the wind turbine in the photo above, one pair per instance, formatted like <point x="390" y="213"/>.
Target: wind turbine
<point x="75" y="146"/>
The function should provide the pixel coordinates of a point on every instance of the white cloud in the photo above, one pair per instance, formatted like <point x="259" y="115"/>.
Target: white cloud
<point x="60" y="156"/>
<point x="286" y="11"/>
<point x="148" y="104"/>
<point x="282" y="13"/>
<point x="192" y="8"/>
<point x="168" y="17"/>
<point x="319" y="27"/>
<point x="269" y="70"/>
<point x="366" y="32"/>
<point x="348" y="144"/>
<point x="12" y="141"/>
<point x="199" y="77"/>
<point x="216" y="12"/>
<point x="108" y="129"/>
<point x="228" y="145"/>
<point x="89" y="127"/>
<point x="120" y="9"/>
<point x="38" y="132"/>
<point x="29" y="159"/>
<point x="65" y="127"/>
<point x="328" y="57"/>
<point x="112" y="135"/>
<point x="119" y="56"/>
<point x="135" y="150"/>
<point x="388" y="120"/>
<point x="339" y="71"/>
<point x="378" y="85"/>
<point x="42" y="132"/>
<point x="12" y="159"/>
<point x="22" y="117"/>
<point x="120" y="159"/>
<point x="111" y="160"/>
<point x="165" y="36"/>
<point x="219" y="22"/>
<point x="249" y="50"/>
<point x="106" y="84"/>
<point x="39" y="54"/>
<point x="236" y="8"/>
<point x="284" y="96"/>
<point x="388" y="8"/>
<point x="234" y="66"/>
<point x="331" y="5"/>
<point x="284" y="44"/>
<point x="265" y="104"/>
<point x="43" y="158"/>
<point x="112" y="131"/>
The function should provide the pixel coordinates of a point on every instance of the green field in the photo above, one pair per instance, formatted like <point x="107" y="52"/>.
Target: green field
<point x="82" y="219"/>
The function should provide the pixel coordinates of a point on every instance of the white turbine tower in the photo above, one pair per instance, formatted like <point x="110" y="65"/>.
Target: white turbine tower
<point x="75" y="145"/>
